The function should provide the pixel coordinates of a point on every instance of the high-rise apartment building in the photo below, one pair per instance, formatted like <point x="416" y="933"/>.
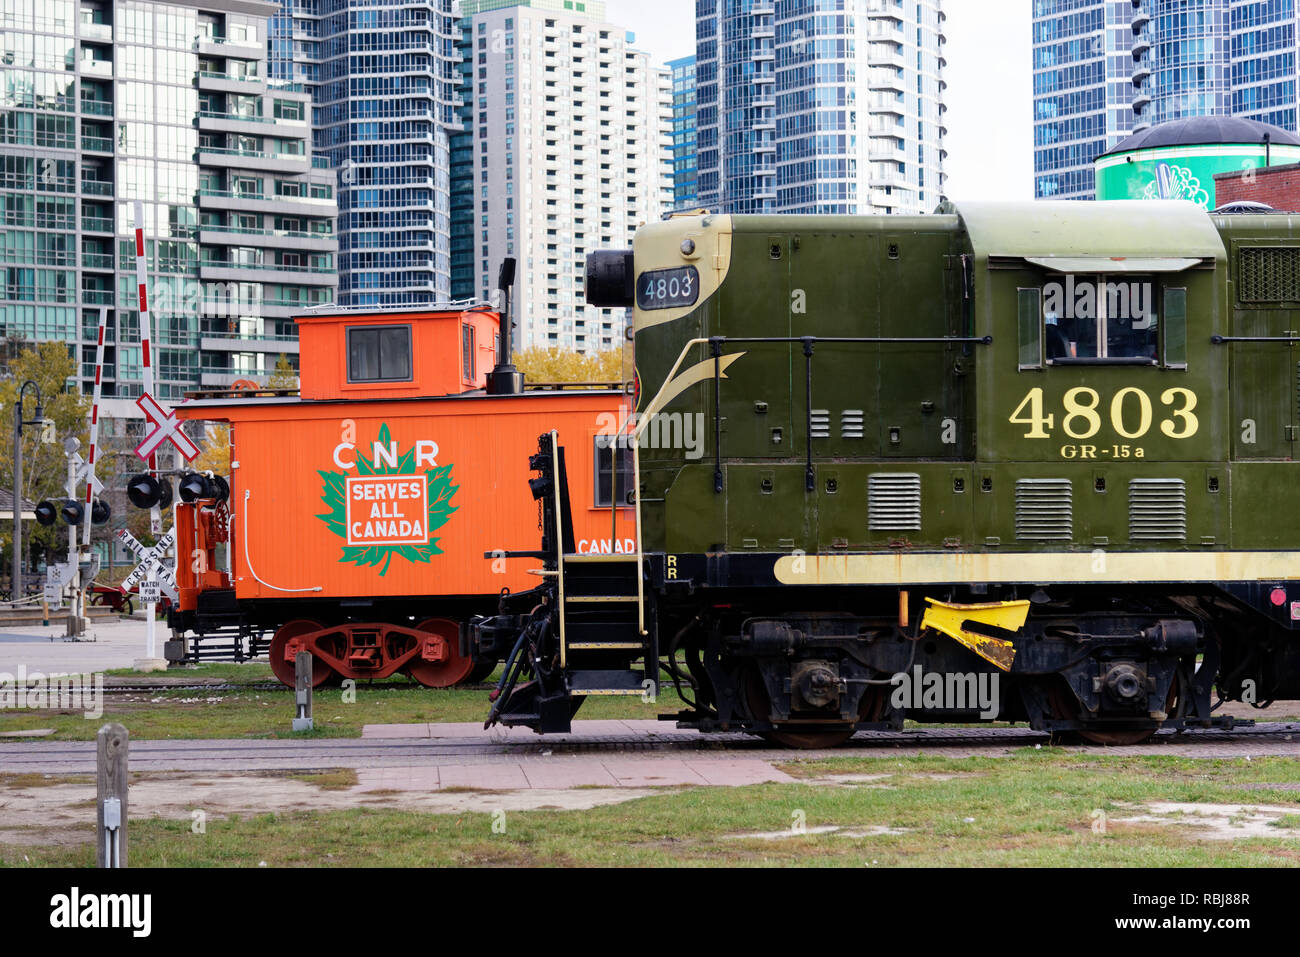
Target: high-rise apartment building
<point x="686" y="167"/>
<point x="567" y="148"/>
<point x="1104" y="69"/>
<point x="106" y="103"/>
<point x="382" y="77"/>
<point x="804" y="112"/>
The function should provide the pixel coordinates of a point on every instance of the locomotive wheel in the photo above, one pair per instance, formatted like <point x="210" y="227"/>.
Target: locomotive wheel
<point x="284" y="670"/>
<point x="1065" y="707"/>
<point x="442" y="674"/>
<point x="793" y="734"/>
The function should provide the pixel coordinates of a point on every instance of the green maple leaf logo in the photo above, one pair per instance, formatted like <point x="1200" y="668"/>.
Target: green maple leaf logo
<point x="440" y="489"/>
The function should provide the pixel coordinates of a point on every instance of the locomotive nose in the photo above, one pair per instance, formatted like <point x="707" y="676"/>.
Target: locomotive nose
<point x="611" y="282"/>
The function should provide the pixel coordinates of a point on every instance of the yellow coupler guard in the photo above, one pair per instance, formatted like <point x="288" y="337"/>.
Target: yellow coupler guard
<point x="951" y="620"/>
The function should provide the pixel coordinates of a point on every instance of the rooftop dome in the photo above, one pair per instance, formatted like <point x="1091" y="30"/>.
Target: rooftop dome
<point x="1204" y="131"/>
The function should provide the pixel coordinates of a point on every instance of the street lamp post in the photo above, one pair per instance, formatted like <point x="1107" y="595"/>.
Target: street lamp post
<point x="16" y="593"/>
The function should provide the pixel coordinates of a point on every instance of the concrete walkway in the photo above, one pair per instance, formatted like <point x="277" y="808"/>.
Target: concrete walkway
<point x="106" y="645"/>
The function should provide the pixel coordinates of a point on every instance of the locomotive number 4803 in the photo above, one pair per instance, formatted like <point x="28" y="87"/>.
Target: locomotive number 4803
<point x="668" y="288"/>
<point x="1131" y="413"/>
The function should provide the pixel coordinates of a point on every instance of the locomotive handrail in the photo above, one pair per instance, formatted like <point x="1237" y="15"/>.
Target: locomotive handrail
<point x="1219" y="340"/>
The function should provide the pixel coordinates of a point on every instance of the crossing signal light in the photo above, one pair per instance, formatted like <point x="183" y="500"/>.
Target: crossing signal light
<point x="195" y="485"/>
<point x="146" y="491"/>
<point x="100" y="512"/>
<point x="46" y="513"/>
<point x="72" y="512"/>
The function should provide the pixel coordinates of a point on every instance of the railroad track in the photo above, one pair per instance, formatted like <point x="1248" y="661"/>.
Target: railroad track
<point x="643" y="739"/>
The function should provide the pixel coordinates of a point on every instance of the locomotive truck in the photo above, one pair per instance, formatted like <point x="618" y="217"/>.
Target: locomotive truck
<point x="1046" y="448"/>
<point x="359" y="509"/>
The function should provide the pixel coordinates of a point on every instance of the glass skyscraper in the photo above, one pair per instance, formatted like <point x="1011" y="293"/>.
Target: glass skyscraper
<point x="836" y="108"/>
<point x="686" y="170"/>
<point x="382" y="75"/>
<point x="104" y="103"/>
<point x="1104" y="69"/>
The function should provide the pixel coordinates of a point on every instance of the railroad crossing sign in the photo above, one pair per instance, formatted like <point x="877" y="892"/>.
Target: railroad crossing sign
<point x="150" y="561"/>
<point x="166" y="429"/>
<point x="77" y="474"/>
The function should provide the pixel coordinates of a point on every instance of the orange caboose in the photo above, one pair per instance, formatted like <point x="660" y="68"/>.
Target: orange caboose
<point x="363" y="511"/>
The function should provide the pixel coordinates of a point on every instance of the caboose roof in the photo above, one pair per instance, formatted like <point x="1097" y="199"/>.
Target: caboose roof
<point x="1164" y="235"/>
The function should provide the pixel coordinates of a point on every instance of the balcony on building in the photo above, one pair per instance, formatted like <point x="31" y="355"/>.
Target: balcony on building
<point x="96" y="290"/>
<point x="96" y="180"/>
<point x="96" y="137"/>
<point x="1140" y="19"/>
<point x="96" y="218"/>
<point x="229" y="75"/>
<point x="96" y="20"/>
<point x="886" y="55"/>
<point x="97" y="58"/>
<point x="96" y="98"/>
<point x="97" y="254"/>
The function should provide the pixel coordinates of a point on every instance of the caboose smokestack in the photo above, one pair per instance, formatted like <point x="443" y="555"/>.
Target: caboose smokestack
<point x="505" y="379"/>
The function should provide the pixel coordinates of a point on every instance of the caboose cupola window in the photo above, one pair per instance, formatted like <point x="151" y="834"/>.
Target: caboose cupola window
<point x="379" y="353"/>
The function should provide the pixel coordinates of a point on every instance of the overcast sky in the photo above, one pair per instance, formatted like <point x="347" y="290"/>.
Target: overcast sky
<point x="989" y="98"/>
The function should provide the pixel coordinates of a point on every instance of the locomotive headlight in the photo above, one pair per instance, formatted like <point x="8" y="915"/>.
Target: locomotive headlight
<point x="688" y="247"/>
<point x="610" y="280"/>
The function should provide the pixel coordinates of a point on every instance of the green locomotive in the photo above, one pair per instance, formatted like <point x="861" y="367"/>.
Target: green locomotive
<point x="1026" y="462"/>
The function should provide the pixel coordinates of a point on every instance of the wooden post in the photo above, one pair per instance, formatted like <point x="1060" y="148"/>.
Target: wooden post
<point x="302" y="683"/>
<point x="111" y="795"/>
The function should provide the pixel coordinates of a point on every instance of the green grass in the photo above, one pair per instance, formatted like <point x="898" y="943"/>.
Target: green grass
<point x="246" y="711"/>
<point x="1033" y="808"/>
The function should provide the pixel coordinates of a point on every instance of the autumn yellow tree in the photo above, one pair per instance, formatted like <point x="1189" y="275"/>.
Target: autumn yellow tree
<point x="284" y="376"/>
<point x="215" y="454"/>
<point x="540" y="364"/>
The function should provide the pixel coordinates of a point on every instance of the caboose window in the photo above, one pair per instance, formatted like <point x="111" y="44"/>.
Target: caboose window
<point x="609" y="459"/>
<point x="1098" y="319"/>
<point x="379" y="353"/>
<point x="467" y="352"/>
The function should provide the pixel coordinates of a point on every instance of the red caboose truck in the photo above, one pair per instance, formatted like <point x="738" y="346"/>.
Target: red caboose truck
<point x="361" y="510"/>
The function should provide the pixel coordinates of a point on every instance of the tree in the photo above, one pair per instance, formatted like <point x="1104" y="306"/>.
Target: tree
<point x="539" y="364"/>
<point x="215" y="454"/>
<point x="45" y="467"/>
<point x="284" y="376"/>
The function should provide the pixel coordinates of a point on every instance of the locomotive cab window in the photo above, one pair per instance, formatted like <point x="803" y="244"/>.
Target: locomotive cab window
<point x="1111" y="319"/>
<point x="379" y="353"/>
<point x="613" y="462"/>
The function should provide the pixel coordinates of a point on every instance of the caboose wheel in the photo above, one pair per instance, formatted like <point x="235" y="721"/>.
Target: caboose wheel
<point x="481" y="672"/>
<point x="285" y="670"/>
<point x="452" y="670"/>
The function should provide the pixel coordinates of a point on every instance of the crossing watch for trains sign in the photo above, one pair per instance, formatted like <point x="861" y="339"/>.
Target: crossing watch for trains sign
<point x="386" y="502"/>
